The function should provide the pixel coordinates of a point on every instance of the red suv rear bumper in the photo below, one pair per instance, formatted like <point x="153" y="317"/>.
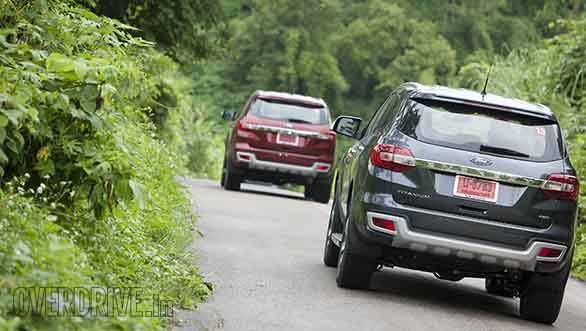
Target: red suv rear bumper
<point x="305" y="165"/>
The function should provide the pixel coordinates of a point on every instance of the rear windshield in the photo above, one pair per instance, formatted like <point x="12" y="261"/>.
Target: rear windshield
<point x="293" y="113"/>
<point x="483" y="130"/>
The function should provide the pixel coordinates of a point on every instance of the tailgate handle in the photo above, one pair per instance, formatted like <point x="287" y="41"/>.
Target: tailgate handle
<point x="472" y="210"/>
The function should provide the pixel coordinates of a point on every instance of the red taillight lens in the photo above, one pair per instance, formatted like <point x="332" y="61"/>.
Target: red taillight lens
<point x="245" y="130"/>
<point x="562" y="187"/>
<point x="240" y="125"/>
<point x="550" y="252"/>
<point x="384" y="224"/>
<point x="392" y="157"/>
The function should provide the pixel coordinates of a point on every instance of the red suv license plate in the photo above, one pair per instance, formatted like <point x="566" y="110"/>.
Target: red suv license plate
<point x="287" y="139"/>
<point x="474" y="188"/>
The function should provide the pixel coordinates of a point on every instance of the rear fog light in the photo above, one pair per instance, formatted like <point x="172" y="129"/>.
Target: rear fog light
<point x="384" y="224"/>
<point x="244" y="157"/>
<point x="322" y="167"/>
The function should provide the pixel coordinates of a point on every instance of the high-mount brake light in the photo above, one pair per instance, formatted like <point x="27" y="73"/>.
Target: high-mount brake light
<point x="562" y="187"/>
<point x="392" y="157"/>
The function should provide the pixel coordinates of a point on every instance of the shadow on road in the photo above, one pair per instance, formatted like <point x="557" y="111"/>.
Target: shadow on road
<point x="420" y="289"/>
<point x="280" y="195"/>
<point x="269" y="190"/>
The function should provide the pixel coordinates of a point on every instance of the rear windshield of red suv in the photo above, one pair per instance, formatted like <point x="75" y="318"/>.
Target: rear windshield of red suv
<point x="483" y="130"/>
<point x="293" y="113"/>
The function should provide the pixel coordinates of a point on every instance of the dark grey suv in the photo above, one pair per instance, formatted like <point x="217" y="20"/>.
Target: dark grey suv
<point x="459" y="184"/>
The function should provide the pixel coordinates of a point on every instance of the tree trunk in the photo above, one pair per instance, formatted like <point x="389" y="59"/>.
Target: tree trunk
<point x="577" y="7"/>
<point x="113" y="8"/>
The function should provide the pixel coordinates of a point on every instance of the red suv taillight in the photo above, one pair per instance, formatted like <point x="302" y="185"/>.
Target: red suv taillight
<point x="562" y="187"/>
<point x="245" y="130"/>
<point x="241" y="125"/>
<point x="392" y="157"/>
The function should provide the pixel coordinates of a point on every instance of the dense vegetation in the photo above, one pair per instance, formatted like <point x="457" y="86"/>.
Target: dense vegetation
<point x="93" y="122"/>
<point x="352" y="53"/>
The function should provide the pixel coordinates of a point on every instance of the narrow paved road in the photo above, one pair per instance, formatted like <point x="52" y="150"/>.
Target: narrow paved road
<point x="262" y="249"/>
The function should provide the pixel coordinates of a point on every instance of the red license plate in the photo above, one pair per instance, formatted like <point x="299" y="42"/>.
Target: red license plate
<point x="474" y="188"/>
<point x="287" y="139"/>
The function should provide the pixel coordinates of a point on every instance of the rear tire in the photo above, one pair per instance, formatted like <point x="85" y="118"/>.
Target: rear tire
<point x="543" y="295"/>
<point x="331" y="251"/>
<point x="321" y="190"/>
<point x="232" y="178"/>
<point x="223" y="177"/>
<point x="354" y="271"/>
<point x="307" y="193"/>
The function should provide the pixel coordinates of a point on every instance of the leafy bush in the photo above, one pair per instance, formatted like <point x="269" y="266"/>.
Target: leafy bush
<point x="180" y="27"/>
<point x="92" y="122"/>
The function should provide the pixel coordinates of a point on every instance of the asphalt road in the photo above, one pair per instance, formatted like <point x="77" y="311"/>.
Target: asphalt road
<point x="262" y="249"/>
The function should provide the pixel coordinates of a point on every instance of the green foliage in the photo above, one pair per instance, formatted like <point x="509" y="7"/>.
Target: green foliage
<point x="206" y="151"/>
<point x="281" y="46"/>
<point x="579" y="267"/>
<point x="384" y="47"/>
<point x="180" y="27"/>
<point x="491" y="26"/>
<point x="352" y="53"/>
<point x="92" y="128"/>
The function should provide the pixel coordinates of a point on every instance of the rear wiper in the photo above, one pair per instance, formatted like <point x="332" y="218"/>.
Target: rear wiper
<point x="502" y="150"/>
<point x="296" y="120"/>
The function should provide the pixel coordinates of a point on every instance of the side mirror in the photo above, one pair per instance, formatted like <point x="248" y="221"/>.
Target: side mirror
<point x="347" y="126"/>
<point x="229" y="115"/>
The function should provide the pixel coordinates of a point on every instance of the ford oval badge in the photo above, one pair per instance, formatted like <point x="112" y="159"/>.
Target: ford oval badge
<point x="481" y="161"/>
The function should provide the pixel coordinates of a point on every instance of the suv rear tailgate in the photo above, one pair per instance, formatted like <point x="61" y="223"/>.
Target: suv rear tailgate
<point x="519" y="199"/>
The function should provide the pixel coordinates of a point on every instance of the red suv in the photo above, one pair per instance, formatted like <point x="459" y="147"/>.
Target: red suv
<point x="281" y="138"/>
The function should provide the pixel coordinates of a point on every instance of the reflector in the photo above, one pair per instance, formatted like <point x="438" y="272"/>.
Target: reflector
<point x="549" y="252"/>
<point x="383" y="223"/>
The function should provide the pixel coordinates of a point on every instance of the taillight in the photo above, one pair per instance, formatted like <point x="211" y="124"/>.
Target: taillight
<point x="245" y="130"/>
<point x="562" y="187"/>
<point x="392" y="157"/>
<point x="240" y="125"/>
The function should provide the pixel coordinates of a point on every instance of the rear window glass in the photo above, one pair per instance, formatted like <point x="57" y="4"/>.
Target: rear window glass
<point x="293" y="113"/>
<point x="483" y="130"/>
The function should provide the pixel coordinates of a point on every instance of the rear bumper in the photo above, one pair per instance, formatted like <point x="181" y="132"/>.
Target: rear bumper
<point x="483" y="252"/>
<point x="250" y="159"/>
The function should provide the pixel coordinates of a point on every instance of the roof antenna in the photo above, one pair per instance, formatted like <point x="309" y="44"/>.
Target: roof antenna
<point x="483" y="93"/>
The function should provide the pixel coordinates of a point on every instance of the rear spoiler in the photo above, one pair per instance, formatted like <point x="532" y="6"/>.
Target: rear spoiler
<point x="292" y="102"/>
<point x="486" y="105"/>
